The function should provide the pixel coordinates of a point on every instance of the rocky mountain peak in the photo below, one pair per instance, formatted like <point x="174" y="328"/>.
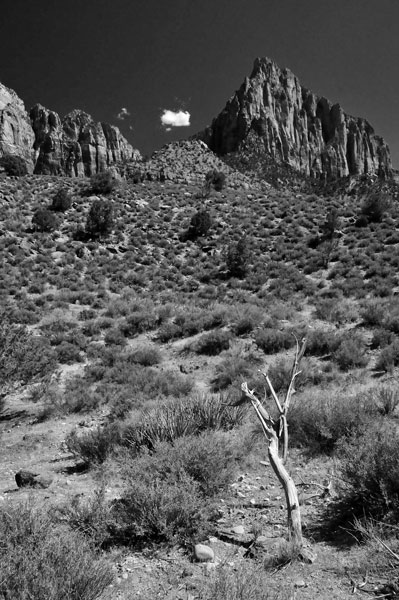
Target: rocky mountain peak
<point x="287" y="122"/>
<point x="74" y="146"/>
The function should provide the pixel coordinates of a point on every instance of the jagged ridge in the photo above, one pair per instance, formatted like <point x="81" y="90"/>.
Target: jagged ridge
<point x="273" y="113"/>
<point x="74" y="146"/>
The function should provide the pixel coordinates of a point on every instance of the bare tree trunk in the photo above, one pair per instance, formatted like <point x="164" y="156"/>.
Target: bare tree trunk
<point x="291" y="495"/>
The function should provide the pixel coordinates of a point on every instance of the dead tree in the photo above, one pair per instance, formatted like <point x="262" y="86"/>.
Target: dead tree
<point x="276" y="432"/>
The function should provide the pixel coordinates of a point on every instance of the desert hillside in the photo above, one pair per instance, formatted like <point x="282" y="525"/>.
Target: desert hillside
<point x="133" y="309"/>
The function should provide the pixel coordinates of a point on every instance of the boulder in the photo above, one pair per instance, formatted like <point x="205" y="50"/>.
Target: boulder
<point x="29" y="479"/>
<point x="203" y="553"/>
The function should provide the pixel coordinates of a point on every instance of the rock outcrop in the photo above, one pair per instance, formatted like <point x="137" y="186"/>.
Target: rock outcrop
<point x="290" y="124"/>
<point x="16" y="134"/>
<point x="74" y="146"/>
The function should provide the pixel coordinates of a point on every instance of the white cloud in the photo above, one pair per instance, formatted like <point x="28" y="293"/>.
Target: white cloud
<point x="170" y="118"/>
<point x="123" y="114"/>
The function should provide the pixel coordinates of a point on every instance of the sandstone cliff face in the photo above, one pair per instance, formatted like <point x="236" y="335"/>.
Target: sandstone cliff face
<point x="16" y="135"/>
<point x="75" y="146"/>
<point x="294" y="126"/>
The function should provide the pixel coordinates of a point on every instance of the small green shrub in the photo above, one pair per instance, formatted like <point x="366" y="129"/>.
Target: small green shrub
<point x="319" y="420"/>
<point x="44" y="220"/>
<point x="40" y="559"/>
<point x="322" y="342"/>
<point x="373" y="313"/>
<point x="177" y="418"/>
<point x="102" y="183"/>
<point x="13" y="165"/>
<point x="370" y="464"/>
<point x="389" y="357"/>
<point x="212" y="343"/>
<point x="231" y="369"/>
<point x="200" y="224"/>
<point x="93" y="447"/>
<point x="351" y="353"/>
<point x="280" y="373"/>
<point x="61" y="201"/>
<point x="237" y="257"/>
<point x="274" y="340"/>
<point x="100" y="219"/>
<point x="147" y="356"/>
<point x="375" y="206"/>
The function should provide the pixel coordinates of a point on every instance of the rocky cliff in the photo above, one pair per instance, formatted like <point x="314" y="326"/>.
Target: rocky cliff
<point x="290" y="124"/>
<point x="73" y="146"/>
<point x="16" y="134"/>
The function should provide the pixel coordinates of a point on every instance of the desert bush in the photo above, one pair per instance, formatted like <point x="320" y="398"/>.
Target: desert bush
<point x="280" y="373"/>
<point x="370" y="465"/>
<point x="231" y="369"/>
<point x="44" y="220"/>
<point x="215" y="179"/>
<point x="13" y="165"/>
<point x="245" y="581"/>
<point x="274" y="340"/>
<point x="162" y="510"/>
<point x="351" y="352"/>
<point x="373" y="313"/>
<point x="23" y="356"/>
<point x="212" y="343"/>
<point x="320" y="420"/>
<point x="61" y="201"/>
<point x="139" y="321"/>
<point x="115" y="337"/>
<point x="382" y="338"/>
<point x="100" y="219"/>
<point x="246" y="319"/>
<point x="145" y="355"/>
<point x="336" y="310"/>
<point x="102" y="183"/>
<point x="389" y="357"/>
<point x="168" y="499"/>
<point x="200" y="224"/>
<point x="322" y="342"/>
<point x="169" y="331"/>
<point x="40" y="559"/>
<point x="375" y="206"/>
<point x="237" y="257"/>
<point x="93" y="447"/>
<point x="177" y="418"/>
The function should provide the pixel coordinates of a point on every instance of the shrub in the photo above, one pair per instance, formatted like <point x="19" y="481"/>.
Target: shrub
<point x="321" y="342"/>
<point x="215" y="179"/>
<point x="200" y="224"/>
<point x="280" y="373"/>
<point x="168" y="499"/>
<point x="44" y="220"/>
<point x="13" y="165"/>
<point x="102" y="183"/>
<point x="231" y="369"/>
<point x="373" y="313"/>
<point x="147" y="356"/>
<point x="273" y="340"/>
<point x="23" y="356"/>
<point x="375" y="206"/>
<point x="212" y="343"/>
<point x="382" y="338"/>
<point x="40" y="559"/>
<point x="351" y="353"/>
<point x="389" y="357"/>
<point x="239" y="583"/>
<point x="370" y="464"/>
<point x="93" y="447"/>
<point x="100" y="220"/>
<point x="320" y="420"/>
<point x="61" y="201"/>
<point x="237" y="257"/>
<point x="246" y="319"/>
<point x="177" y="418"/>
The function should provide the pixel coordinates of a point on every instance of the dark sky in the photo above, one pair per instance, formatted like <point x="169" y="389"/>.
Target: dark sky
<point x="151" y="55"/>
